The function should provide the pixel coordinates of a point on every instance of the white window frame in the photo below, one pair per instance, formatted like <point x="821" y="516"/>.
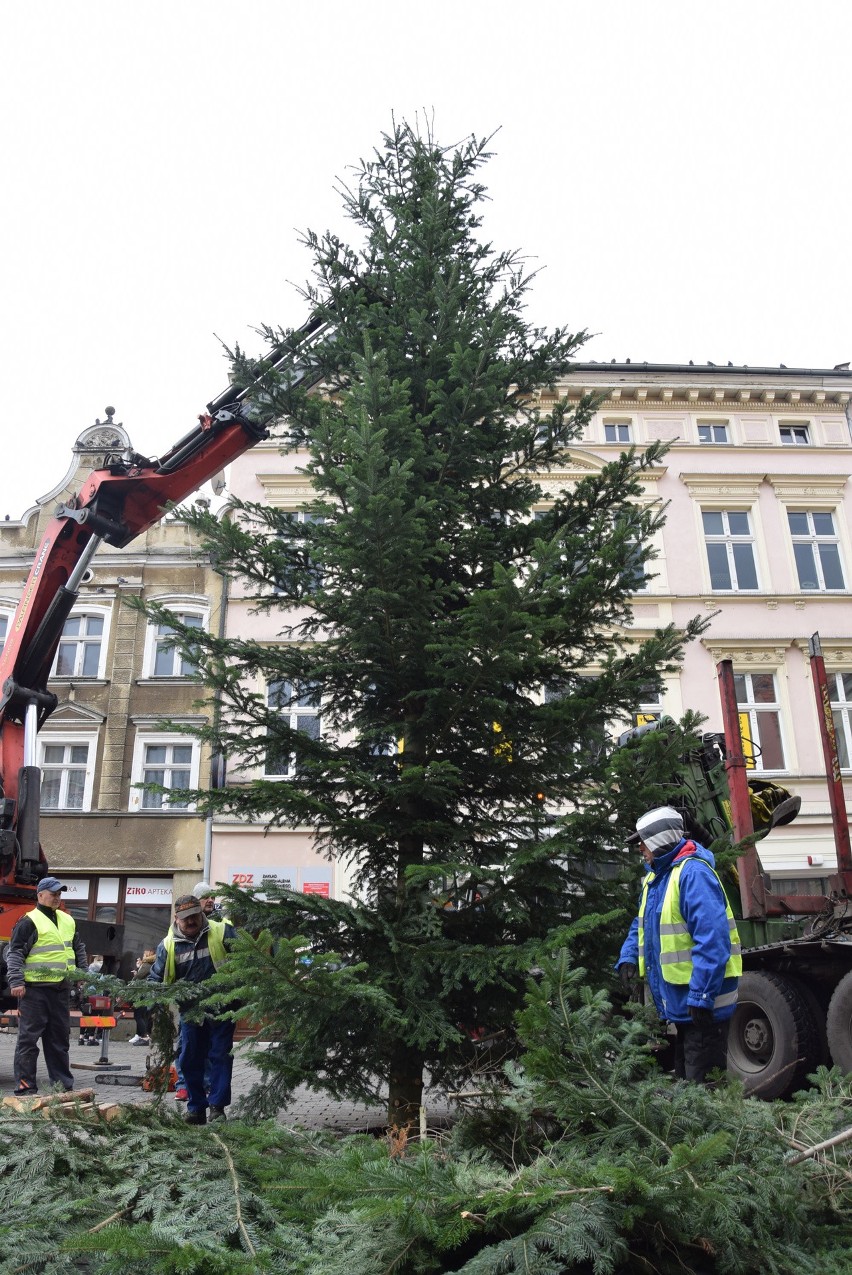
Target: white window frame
<point x="799" y="433"/>
<point x="302" y="516"/>
<point x="301" y="706"/>
<point x="166" y="739"/>
<point x="153" y="639"/>
<point x="621" y="429"/>
<point x="82" y="641"/>
<point x="650" y="708"/>
<point x="751" y="710"/>
<point x="729" y="539"/>
<point x="841" y="712"/>
<point x="815" y="539"/>
<point x="711" y="427"/>
<point x="69" y="739"/>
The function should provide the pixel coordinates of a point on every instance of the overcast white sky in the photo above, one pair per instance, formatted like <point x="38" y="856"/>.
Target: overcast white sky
<point x="681" y="172"/>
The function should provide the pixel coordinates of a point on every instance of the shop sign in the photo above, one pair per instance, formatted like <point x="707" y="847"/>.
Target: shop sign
<point x="108" y="890"/>
<point x="317" y="887"/>
<point x="78" y="891"/>
<point x="263" y="878"/>
<point x="149" y="890"/>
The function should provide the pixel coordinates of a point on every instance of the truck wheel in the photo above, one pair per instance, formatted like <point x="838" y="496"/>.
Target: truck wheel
<point x="773" y="1041"/>
<point x="839" y="1024"/>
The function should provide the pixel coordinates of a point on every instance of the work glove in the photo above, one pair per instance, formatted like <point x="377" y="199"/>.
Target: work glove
<point x="627" y="974"/>
<point x="701" y="1017"/>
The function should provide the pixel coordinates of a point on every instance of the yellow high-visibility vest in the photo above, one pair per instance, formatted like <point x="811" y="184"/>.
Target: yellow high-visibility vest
<point x="215" y="944"/>
<point x="51" y="958"/>
<point x="676" y="942"/>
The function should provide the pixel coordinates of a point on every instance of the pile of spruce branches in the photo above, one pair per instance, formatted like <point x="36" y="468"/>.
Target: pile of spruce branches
<point x="586" y="1159"/>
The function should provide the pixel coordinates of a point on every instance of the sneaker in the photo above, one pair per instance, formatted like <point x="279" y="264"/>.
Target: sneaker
<point x="217" y="1113"/>
<point x="195" y="1117"/>
<point x="181" y="1095"/>
<point x="139" y="1040"/>
<point x="23" y="1089"/>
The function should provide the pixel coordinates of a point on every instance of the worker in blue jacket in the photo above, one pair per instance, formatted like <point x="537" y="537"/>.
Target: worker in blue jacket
<point x="192" y="951"/>
<point x="684" y="943"/>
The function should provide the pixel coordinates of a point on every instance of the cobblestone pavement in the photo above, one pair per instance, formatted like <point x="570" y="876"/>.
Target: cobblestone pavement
<point x="308" y="1110"/>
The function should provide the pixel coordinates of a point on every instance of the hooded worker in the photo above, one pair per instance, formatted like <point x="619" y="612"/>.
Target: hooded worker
<point x="684" y="943"/>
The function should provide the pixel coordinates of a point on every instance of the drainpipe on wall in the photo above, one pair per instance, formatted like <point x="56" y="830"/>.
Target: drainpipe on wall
<point x="217" y="763"/>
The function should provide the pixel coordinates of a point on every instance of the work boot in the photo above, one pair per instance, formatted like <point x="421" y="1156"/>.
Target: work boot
<point x="195" y="1117"/>
<point x="217" y="1113"/>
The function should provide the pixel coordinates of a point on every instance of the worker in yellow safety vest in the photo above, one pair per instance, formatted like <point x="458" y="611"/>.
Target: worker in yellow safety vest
<point x="194" y="948"/>
<point x="684" y="943"/>
<point x="44" y="958"/>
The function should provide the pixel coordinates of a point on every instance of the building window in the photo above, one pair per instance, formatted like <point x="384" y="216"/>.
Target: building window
<point x="760" y="720"/>
<point x="840" y="693"/>
<point x="4" y="628"/>
<point x="163" y="657"/>
<point x="170" y="761"/>
<point x="713" y="432"/>
<point x="80" y="647"/>
<point x="795" y="435"/>
<point x="816" y="549"/>
<point x="617" y="432"/>
<point x="636" y="578"/>
<point x="650" y="707"/>
<point x="66" y="776"/>
<point x="310" y="576"/>
<point x="730" y="549"/>
<point x="299" y="708"/>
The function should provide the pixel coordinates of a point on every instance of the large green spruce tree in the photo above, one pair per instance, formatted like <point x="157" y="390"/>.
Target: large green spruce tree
<point x="465" y="637"/>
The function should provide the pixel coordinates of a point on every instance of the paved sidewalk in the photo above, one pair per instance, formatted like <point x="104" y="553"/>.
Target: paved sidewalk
<point x="309" y="1110"/>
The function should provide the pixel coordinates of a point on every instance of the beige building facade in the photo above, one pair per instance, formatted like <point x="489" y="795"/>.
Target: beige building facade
<point x="123" y="852"/>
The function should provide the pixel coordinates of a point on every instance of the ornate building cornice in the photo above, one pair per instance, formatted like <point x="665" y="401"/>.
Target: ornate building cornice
<point x="704" y="486"/>
<point x="812" y="488"/>
<point x="287" y="491"/>
<point x="747" y="651"/>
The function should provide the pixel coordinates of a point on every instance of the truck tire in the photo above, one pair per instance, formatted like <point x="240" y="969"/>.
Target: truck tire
<point x="839" y="1024"/>
<point x="773" y="1041"/>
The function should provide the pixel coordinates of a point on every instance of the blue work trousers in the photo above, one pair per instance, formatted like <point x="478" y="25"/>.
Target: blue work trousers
<point x="209" y="1041"/>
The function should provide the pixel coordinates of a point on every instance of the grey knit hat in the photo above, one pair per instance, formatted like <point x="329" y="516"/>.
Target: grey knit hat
<point x="203" y="890"/>
<point x="660" y="829"/>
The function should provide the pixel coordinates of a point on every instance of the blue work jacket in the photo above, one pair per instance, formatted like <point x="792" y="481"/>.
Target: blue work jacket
<point x="702" y="903"/>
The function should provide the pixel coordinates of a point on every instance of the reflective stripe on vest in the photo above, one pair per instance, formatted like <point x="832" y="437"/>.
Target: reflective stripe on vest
<point x="675" y="940"/>
<point x="51" y="957"/>
<point x="215" y="946"/>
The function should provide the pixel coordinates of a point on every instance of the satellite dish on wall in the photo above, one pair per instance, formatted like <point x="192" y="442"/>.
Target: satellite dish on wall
<point x="217" y="482"/>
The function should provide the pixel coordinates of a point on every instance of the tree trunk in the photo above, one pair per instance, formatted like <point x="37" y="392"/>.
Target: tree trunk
<point x="405" y="1081"/>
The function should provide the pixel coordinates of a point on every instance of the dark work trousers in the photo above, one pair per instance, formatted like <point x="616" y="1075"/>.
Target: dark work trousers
<point x="207" y="1041"/>
<point x="700" y="1049"/>
<point x="44" y="1014"/>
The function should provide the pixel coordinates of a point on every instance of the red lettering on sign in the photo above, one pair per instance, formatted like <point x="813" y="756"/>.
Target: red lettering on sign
<point x="242" y="878"/>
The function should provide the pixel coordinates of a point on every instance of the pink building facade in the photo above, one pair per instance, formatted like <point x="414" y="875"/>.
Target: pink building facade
<point x="758" y="537"/>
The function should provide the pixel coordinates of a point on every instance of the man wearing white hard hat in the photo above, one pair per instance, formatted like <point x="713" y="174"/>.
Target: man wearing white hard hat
<point x="685" y="944"/>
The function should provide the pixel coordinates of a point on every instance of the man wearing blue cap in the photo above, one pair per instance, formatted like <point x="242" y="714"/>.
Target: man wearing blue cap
<point x="43" y="954"/>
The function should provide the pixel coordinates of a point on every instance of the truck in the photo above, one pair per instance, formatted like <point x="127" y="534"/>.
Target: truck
<point x="117" y="503"/>
<point x="794" y="1010"/>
